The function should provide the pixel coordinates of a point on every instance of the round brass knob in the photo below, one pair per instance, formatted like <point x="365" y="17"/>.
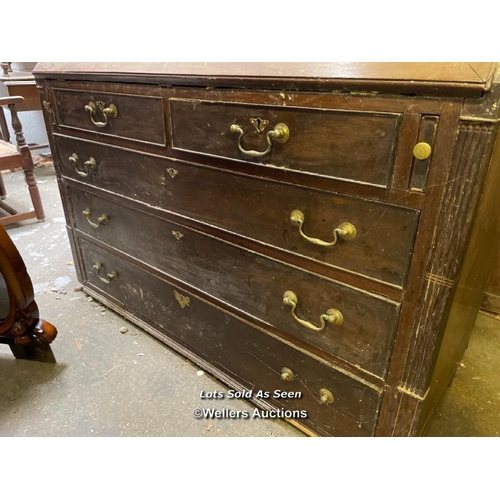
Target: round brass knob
<point x="281" y="133"/>
<point x="422" y="151"/>
<point x="347" y="231"/>
<point x="334" y="316"/>
<point x="297" y="218"/>
<point x="287" y="374"/>
<point x="325" y="397"/>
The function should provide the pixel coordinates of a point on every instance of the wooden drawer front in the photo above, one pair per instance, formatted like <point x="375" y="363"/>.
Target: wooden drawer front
<point x="257" y="208"/>
<point x="137" y="176"/>
<point x="356" y="146"/>
<point x="137" y="117"/>
<point x="249" y="281"/>
<point x="251" y="357"/>
<point x="262" y="210"/>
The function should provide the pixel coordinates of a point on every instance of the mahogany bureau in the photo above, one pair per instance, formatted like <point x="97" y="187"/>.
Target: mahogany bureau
<point x="326" y="229"/>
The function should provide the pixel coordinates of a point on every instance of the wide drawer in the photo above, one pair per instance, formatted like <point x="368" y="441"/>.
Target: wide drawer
<point x="246" y="354"/>
<point x="251" y="282"/>
<point x="255" y="208"/>
<point x="130" y="116"/>
<point x="351" y="145"/>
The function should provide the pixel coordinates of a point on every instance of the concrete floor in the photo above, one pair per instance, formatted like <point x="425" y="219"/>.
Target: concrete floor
<point x="471" y="406"/>
<point x="107" y="383"/>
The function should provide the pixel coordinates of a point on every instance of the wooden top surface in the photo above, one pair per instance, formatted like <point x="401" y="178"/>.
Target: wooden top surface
<point x="434" y="78"/>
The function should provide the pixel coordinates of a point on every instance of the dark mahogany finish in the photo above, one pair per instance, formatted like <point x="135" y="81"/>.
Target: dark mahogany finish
<point x="227" y="343"/>
<point x="194" y="241"/>
<point x="21" y="328"/>
<point x="385" y="234"/>
<point x="321" y="142"/>
<point x="130" y="109"/>
<point x="249" y="281"/>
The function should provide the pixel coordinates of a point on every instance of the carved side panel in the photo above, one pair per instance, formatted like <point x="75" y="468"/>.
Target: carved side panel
<point x="462" y="193"/>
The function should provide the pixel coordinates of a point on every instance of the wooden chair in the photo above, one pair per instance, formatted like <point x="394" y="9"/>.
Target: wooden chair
<point x="11" y="157"/>
<point x="21" y="328"/>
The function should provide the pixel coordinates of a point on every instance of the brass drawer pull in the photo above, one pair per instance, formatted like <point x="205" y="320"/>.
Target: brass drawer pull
<point x="422" y="151"/>
<point x="99" y="107"/>
<point x="345" y="231"/>
<point x="287" y="374"/>
<point x="103" y="219"/>
<point x="280" y="134"/>
<point x="90" y="163"/>
<point x="332" y="316"/>
<point x="325" y="397"/>
<point x="109" y="277"/>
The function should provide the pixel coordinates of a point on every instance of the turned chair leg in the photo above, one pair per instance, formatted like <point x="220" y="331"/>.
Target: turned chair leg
<point x="3" y="191"/>
<point x="27" y="165"/>
<point x="33" y="186"/>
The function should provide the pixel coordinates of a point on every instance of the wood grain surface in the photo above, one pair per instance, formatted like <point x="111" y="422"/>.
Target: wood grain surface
<point x="250" y="355"/>
<point x="251" y="282"/>
<point x="345" y="145"/>
<point x="455" y="78"/>
<point x="256" y="208"/>
<point x="193" y="212"/>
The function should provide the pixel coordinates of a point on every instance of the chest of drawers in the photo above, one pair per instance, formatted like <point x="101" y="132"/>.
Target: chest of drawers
<point x="324" y="229"/>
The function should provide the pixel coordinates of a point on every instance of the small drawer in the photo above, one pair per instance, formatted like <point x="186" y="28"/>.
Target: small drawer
<point x="259" y="209"/>
<point x="336" y="404"/>
<point x="350" y="145"/>
<point x="248" y="281"/>
<point x="140" y="177"/>
<point x="129" y="116"/>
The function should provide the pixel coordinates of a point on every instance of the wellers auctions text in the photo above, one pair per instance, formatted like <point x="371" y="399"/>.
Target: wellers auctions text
<point x="244" y="414"/>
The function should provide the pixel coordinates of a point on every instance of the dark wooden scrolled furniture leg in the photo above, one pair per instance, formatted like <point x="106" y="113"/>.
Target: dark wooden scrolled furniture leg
<point x="37" y="343"/>
<point x="28" y="336"/>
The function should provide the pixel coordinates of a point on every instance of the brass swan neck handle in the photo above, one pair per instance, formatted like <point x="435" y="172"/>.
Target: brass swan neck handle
<point x="90" y="163"/>
<point x="332" y="316"/>
<point x="99" y="107"/>
<point x="103" y="219"/>
<point x="280" y="133"/>
<point x="345" y="231"/>
<point x="109" y="277"/>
